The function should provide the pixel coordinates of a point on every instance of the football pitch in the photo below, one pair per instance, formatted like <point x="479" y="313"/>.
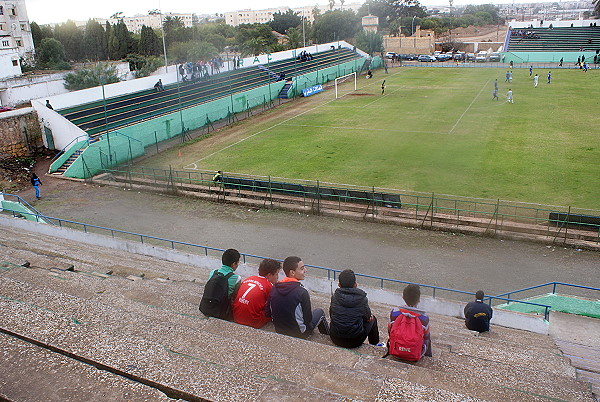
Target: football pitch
<point x="434" y="130"/>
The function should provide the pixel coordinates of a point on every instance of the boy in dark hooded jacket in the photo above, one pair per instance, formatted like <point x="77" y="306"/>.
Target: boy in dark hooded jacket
<point x="351" y="318"/>
<point x="289" y="304"/>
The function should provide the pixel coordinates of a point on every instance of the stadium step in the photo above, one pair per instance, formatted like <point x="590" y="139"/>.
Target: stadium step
<point x="137" y="326"/>
<point x="35" y="373"/>
<point x="309" y="357"/>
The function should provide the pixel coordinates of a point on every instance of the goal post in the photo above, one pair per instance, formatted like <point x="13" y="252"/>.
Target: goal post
<point x="344" y="78"/>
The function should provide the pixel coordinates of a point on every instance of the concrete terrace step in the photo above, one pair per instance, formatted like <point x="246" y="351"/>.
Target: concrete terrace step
<point x="31" y="373"/>
<point x="226" y="351"/>
<point x="188" y="354"/>
<point x="88" y="312"/>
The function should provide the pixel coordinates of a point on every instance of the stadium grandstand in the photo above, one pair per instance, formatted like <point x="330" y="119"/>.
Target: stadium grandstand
<point x="552" y="41"/>
<point x="116" y="122"/>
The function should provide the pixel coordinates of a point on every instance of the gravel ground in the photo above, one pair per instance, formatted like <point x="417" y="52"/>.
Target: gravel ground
<point x="436" y="258"/>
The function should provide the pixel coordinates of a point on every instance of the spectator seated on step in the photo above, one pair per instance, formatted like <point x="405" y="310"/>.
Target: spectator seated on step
<point x="478" y="314"/>
<point x="289" y="304"/>
<point x="159" y="86"/>
<point x="412" y="297"/>
<point x="251" y="298"/>
<point x="221" y="287"/>
<point x="351" y="318"/>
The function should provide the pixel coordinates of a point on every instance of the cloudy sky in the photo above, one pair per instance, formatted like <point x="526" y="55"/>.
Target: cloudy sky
<point x="47" y="11"/>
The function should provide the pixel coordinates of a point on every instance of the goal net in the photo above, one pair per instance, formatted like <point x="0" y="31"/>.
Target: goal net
<point x="341" y="90"/>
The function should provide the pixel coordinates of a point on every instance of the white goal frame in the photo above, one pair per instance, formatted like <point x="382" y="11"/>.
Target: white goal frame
<point x="341" y="78"/>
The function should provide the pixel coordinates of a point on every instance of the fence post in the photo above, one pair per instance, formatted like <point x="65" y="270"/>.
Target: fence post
<point x="567" y="224"/>
<point x="318" y="199"/>
<point x="156" y="140"/>
<point x="270" y="192"/>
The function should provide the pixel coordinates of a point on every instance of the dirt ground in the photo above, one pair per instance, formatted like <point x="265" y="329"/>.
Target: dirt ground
<point x="435" y="258"/>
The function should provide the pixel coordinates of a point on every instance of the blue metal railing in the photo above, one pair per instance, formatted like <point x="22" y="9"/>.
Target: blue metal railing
<point x="553" y="284"/>
<point x="62" y="151"/>
<point x="21" y="201"/>
<point x="331" y="273"/>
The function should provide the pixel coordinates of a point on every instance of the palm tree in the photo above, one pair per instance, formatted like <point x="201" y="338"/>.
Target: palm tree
<point x="293" y="38"/>
<point x="331" y="4"/>
<point x="254" y="46"/>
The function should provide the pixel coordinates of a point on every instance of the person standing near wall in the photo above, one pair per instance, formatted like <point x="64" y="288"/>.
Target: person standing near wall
<point x="36" y="183"/>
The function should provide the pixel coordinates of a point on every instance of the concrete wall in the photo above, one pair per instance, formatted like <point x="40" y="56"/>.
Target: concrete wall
<point x="438" y="306"/>
<point x="409" y="45"/>
<point x="7" y="67"/>
<point x="20" y="134"/>
<point x="536" y="23"/>
<point x="63" y="131"/>
<point x="22" y="89"/>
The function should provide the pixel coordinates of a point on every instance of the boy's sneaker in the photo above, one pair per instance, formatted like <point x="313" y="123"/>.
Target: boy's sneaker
<point x="381" y="344"/>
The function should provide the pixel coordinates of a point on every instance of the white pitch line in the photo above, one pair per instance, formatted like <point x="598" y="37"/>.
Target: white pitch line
<point x="195" y="164"/>
<point x="363" y="129"/>
<point x="468" y="107"/>
<point x="384" y="96"/>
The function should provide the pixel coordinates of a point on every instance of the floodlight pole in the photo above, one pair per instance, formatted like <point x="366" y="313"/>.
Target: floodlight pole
<point x="162" y="29"/>
<point x="412" y="30"/>
<point x="303" y="33"/>
<point x="105" y="119"/>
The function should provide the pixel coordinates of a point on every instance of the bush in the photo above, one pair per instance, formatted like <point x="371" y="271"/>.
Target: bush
<point x="102" y="73"/>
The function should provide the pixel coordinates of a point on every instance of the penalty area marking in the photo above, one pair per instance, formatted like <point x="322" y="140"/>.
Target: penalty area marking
<point x="364" y="129"/>
<point x="194" y="165"/>
<point x="468" y="107"/>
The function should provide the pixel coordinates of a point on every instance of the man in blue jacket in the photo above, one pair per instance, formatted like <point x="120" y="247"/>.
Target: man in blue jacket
<point x="289" y="304"/>
<point x="351" y="318"/>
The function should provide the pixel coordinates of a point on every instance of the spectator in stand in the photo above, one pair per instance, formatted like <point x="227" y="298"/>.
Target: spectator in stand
<point x="351" y="318"/>
<point x="231" y="261"/>
<point x="412" y="297"/>
<point x="252" y="296"/>
<point x="478" y="314"/>
<point x="289" y="304"/>
<point x="48" y="105"/>
<point x="159" y="86"/>
<point x="218" y="177"/>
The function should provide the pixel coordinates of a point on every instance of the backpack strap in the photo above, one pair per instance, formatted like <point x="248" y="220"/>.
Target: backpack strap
<point x="229" y="275"/>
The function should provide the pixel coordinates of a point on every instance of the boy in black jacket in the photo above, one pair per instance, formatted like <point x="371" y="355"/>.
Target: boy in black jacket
<point x="289" y="304"/>
<point x="351" y="318"/>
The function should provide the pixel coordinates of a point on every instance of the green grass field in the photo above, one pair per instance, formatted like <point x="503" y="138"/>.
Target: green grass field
<point x="434" y="130"/>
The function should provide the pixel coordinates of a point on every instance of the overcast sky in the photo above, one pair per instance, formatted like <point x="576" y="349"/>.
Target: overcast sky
<point x="47" y="11"/>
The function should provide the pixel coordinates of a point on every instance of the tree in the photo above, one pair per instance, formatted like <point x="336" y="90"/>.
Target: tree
<point x="149" y="44"/>
<point x="597" y="8"/>
<point x="123" y="41"/>
<point x="335" y="25"/>
<point x="94" y="41"/>
<point x="284" y="21"/>
<point x="70" y="36"/>
<point x="117" y="15"/>
<point x="294" y="38"/>
<point x="202" y="51"/>
<point x="172" y="26"/>
<point x="143" y="66"/>
<point x="331" y="4"/>
<point x="36" y="33"/>
<point x="102" y="73"/>
<point x="254" y="38"/>
<point x="370" y="42"/>
<point x="253" y="46"/>
<point x="51" y="55"/>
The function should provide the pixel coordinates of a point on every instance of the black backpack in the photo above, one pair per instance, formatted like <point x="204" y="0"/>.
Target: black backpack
<point x="215" y="300"/>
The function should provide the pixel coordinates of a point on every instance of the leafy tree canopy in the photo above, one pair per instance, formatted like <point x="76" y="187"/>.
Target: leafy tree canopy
<point x="284" y="21"/>
<point x="102" y="73"/>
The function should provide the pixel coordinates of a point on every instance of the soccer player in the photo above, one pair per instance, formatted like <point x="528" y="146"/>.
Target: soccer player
<point x="510" y="76"/>
<point x="535" y="80"/>
<point x="496" y="83"/>
<point x="509" y="96"/>
<point x="495" y="94"/>
<point x="249" y="303"/>
<point x="530" y="70"/>
<point x="549" y="76"/>
<point x="383" y="87"/>
<point x="507" y="76"/>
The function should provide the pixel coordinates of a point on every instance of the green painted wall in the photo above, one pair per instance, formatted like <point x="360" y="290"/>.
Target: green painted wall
<point x="22" y="210"/>
<point x="546" y="57"/>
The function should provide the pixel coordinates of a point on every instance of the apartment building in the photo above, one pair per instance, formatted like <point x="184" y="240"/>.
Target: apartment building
<point x="248" y="16"/>
<point x="134" y="24"/>
<point x="15" y="37"/>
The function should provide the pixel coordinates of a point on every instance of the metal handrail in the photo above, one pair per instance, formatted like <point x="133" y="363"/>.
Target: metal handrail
<point x="331" y="273"/>
<point x="117" y="133"/>
<point x="553" y="284"/>
<point x="62" y="151"/>
<point x="23" y="202"/>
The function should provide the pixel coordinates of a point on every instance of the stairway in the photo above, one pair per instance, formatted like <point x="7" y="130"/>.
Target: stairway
<point x="149" y="340"/>
<point x="61" y="170"/>
<point x="284" y="93"/>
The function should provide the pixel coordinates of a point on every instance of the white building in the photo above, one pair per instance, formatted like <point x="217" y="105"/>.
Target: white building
<point x="134" y="24"/>
<point x="15" y="36"/>
<point x="248" y="16"/>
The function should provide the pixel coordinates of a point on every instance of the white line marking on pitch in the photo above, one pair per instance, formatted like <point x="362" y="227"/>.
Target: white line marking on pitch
<point x="195" y="164"/>
<point x="364" y="129"/>
<point x="468" y="107"/>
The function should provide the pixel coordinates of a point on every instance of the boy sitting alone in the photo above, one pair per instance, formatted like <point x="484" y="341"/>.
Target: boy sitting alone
<point x="351" y="318"/>
<point x="252" y="296"/>
<point x="412" y="297"/>
<point x="289" y="304"/>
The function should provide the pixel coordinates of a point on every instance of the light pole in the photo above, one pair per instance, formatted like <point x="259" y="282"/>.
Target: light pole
<point x="412" y="30"/>
<point x="162" y="29"/>
<point x="105" y="117"/>
<point x="303" y="33"/>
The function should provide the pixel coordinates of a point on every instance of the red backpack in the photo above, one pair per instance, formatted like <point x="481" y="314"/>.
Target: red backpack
<point x="406" y="337"/>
